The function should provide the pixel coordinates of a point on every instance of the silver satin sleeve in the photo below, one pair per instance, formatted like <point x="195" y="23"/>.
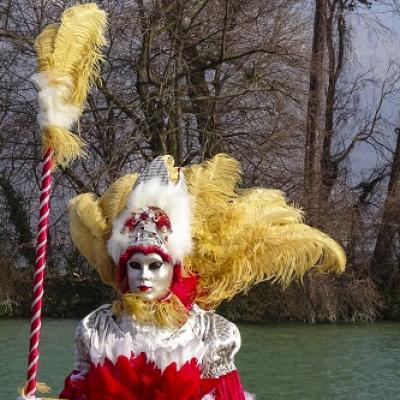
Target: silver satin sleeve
<point x="223" y="342"/>
<point x="82" y="360"/>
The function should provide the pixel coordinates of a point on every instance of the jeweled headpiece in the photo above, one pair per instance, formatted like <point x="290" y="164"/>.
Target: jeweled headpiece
<point x="157" y="218"/>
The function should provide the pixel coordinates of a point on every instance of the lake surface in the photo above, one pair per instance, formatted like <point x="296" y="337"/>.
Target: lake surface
<point x="279" y="362"/>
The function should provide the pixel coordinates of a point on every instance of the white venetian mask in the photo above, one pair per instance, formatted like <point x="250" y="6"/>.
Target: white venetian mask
<point x="149" y="275"/>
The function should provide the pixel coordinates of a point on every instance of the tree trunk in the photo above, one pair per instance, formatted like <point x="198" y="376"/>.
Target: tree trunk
<point x="314" y="104"/>
<point x="385" y="262"/>
<point x="328" y="165"/>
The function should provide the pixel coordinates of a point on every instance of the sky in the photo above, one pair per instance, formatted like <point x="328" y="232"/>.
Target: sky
<point x="376" y="44"/>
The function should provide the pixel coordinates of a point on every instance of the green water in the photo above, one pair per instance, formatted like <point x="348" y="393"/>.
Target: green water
<point x="279" y="362"/>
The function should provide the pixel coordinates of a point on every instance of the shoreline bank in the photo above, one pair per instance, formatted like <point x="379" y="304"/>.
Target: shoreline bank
<point x="71" y="297"/>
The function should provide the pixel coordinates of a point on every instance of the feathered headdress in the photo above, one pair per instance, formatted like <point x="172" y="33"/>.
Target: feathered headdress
<point x="157" y="215"/>
<point x="239" y="237"/>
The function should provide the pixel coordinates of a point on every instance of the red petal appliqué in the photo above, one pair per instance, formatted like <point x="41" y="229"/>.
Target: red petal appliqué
<point x="138" y="379"/>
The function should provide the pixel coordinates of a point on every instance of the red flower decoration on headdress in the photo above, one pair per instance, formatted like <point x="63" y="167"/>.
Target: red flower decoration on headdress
<point x="131" y="223"/>
<point x="144" y="216"/>
<point x="162" y="220"/>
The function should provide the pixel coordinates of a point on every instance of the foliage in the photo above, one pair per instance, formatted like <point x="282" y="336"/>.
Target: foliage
<point x="65" y="296"/>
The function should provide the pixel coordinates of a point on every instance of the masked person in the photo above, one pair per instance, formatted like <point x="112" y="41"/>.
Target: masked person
<point x="175" y="244"/>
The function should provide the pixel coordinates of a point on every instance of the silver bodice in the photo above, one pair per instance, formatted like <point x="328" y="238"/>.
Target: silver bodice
<point x="206" y="336"/>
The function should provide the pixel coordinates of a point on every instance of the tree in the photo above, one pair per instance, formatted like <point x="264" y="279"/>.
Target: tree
<point x="322" y="160"/>
<point x="385" y="261"/>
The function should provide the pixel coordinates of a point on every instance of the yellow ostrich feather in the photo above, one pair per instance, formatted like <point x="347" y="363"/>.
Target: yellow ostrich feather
<point x="168" y="313"/>
<point x="44" y="46"/>
<point x="241" y="238"/>
<point x="113" y="201"/>
<point x="76" y="45"/>
<point x="91" y="224"/>
<point x="172" y="170"/>
<point x="66" y="145"/>
<point x="212" y="184"/>
<point x="68" y="59"/>
<point x="41" y="388"/>
<point x="72" y="48"/>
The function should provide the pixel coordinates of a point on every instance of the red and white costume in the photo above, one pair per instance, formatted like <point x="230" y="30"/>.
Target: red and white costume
<point x="120" y="359"/>
<point x="160" y="345"/>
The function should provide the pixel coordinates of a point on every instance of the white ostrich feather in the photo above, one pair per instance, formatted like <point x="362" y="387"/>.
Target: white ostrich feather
<point x="173" y="200"/>
<point x="53" y="109"/>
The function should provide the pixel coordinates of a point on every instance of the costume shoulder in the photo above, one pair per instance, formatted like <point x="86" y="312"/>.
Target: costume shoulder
<point x="95" y="319"/>
<point x="94" y="331"/>
<point x="222" y="338"/>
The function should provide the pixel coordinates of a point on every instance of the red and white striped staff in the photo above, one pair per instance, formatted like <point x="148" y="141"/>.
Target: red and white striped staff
<point x="68" y="58"/>
<point x="40" y="266"/>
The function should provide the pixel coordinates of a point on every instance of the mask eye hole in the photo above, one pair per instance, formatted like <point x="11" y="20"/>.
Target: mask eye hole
<point x="134" y="265"/>
<point x="155" y="265"/>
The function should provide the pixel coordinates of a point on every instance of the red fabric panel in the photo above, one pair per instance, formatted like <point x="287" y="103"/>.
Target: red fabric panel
<point x="138" y="379"/>
<point x="74" y="389"/>
<point x="229" y="387"/>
